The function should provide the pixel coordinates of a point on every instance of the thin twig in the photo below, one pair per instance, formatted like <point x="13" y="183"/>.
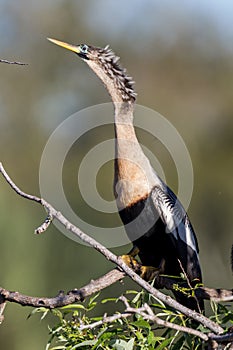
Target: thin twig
<point x="146" y="312"/>
<point x="13" y="62"/>
<point x="43" y="227"/>
<point x="116" y="260"/>
<point x="106" y="319"/>
<point x="16" y="188"/>
<point x="189" y="284"/>
<point x="2" y="308"/>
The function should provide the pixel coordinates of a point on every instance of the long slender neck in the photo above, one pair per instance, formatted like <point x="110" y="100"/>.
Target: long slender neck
<point x="134" y="177"/>
<point x="110" y="82"/>
<point x="124" y="128"/>
<point x="123" y="103"/>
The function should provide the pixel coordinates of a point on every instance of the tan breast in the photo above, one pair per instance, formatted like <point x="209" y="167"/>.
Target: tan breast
<point x="134" y="176"/>
<point x="131" y="183"/>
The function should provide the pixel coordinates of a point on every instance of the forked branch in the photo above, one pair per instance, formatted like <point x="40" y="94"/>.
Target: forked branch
<point x="77" y="295"/>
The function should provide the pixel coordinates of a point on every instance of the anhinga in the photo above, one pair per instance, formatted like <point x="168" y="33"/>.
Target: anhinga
<point x="154" y="219"/>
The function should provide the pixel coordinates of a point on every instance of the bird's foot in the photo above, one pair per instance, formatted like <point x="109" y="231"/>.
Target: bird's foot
<point x="148" y="273"/>
<point x="132" y="263"/>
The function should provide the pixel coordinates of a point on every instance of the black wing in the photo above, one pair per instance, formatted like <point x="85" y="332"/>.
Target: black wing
<point x="179" y="228"/>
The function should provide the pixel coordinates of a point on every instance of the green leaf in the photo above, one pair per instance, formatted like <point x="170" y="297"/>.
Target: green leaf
<point x="103" y="333"/>
<point x="84" y="343"/>
<point x="164" y="343"/>
<point x="42" y="310"/>
<point x="139" y="335"/>
<point x="94" y="297"/>
<point x="73" y="307"/>
<point x="108" y="300"/>
<point x="120" y="344"/>
<point x="151" y="338"/>
<point x="57" y="313"/>
<point x="131" y="292"/>
<point x="141" y="324"/>
<point x="159" y="303"/>
<point x="157" y="338"/>
<point x="137" y="298"/>
<point x="91" y="306"/>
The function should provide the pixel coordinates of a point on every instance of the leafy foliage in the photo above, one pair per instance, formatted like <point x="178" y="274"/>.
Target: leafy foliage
<point x="76" y="328"/>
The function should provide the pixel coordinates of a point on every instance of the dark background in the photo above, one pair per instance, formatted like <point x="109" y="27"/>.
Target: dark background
<point x="180" y="55"/>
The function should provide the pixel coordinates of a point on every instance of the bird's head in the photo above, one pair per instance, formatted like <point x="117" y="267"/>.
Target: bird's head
<point x="105" y="64"/>
<point x="86" y="52"/>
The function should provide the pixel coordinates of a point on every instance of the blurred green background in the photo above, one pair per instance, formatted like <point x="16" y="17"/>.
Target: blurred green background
<point x="180" y="55"/>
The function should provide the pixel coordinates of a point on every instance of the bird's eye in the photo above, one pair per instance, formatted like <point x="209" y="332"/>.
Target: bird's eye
<point x="84" y="48"/>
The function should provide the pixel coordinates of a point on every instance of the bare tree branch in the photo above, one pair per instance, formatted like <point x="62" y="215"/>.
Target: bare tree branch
<point x="2" y="308"/>
<point x="94" y="286"/>
<point x="13" y="62"/>
<point x="63" y="299"/>
<point x="214" y="327"/>
<point x="43" y="227"/>
<point x="105" y="319"/>
<point x="146" y="312"/>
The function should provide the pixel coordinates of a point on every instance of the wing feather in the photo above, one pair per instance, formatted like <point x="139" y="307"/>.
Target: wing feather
<point x="174" y="216"/>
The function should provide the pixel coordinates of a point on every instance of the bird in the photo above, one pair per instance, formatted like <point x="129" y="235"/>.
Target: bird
<point x="154" y="218"/>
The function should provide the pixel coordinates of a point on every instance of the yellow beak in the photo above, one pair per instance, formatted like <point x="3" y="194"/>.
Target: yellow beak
<point x="67" y="46"/>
